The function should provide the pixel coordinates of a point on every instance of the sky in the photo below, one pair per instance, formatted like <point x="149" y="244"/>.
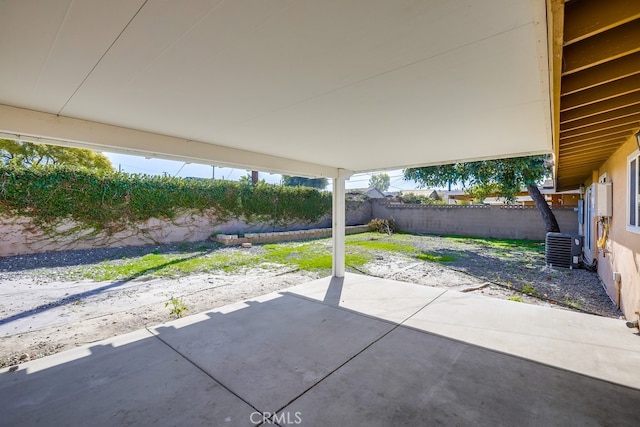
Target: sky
<point x="150" y="166"/>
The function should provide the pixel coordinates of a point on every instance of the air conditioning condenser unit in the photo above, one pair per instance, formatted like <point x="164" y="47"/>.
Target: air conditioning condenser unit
<point x="563" y="250"/>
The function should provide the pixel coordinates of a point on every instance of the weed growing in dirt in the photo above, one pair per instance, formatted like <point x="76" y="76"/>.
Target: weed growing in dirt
<point x="178" y="307"/>
<point x="570" y="303"/>
<point x="516" y="298"/>
<point x="528" y="289"/>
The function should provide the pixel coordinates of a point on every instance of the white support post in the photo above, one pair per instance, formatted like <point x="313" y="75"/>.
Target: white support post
<point x="339" y="219"/>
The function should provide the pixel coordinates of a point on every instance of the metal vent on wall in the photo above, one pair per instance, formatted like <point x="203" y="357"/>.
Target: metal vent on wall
<point x="563" y="249"/>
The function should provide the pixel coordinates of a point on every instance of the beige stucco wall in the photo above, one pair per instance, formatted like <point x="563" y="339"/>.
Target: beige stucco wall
<point x="622" y="252"/>
<point x="19" y="236"/>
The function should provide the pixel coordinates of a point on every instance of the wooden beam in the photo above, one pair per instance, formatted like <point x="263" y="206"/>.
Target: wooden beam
<point x="572" y="184"/>
<point x="586" y="18"/>
<point x="600" y="140"/>
<point x="615" y="132"/>
<point x="578" y="176"/>
<point x="601" y="74"/>
<point x="591" y="146"/>
<point x="586" y="148"/>
<point x="603" y="47"/>
<point x="48" y="128"/>
<point x="596" y="142"/>
<point x="588" y="153"/>
<point x="601" y="93"/>
<point x="630" y="121"/>
<point x="580" y="171"/>
<point x="601" y="118"/>
<point x="612" y="104"/>
<point x="584" y="166"/>
<point x="594" y="164"/>
<point x="555" y="39"/>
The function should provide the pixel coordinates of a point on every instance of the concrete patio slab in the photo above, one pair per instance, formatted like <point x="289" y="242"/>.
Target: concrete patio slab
<point x="133" y="379"/>
<point x="328" y="353"/>
<point x="600" y="347"/>
<point x="270" y="351"/>
<point x="381" y="298"/>
<point x="409" y="378"/>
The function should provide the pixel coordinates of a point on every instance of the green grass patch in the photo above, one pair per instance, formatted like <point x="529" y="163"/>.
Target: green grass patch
<point x="425" y="256"/>
<point x="516" y="298"/>
<point x="312" y="256"/>
<point x="504" y="244"/>
<point x="165" y="265"/>
<point x="528" y="289"/>
<point x="309" y="256"/>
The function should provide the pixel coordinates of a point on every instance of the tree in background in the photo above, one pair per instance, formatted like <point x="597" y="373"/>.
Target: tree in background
<point x="507" y="176"/>
<point x="480" y="192"/>
<point x="380" y="181"/>
<point x="298" y="181"/>
<point x="28" y="154"/>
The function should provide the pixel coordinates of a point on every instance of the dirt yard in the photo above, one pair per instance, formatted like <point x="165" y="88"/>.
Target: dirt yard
<point x="43" y="311"/>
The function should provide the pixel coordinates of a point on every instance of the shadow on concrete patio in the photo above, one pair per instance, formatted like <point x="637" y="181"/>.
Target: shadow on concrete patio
<point x="358" y="351"/>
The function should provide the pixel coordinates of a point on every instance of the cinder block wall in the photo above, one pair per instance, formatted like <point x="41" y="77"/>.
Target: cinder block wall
<point x="475" y="220"/>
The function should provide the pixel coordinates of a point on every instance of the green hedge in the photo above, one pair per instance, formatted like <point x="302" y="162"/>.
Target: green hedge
<point x="110" y="201"/>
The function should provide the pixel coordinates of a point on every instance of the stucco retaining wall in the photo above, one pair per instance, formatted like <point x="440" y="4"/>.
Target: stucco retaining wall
<point x="19" y="236"/>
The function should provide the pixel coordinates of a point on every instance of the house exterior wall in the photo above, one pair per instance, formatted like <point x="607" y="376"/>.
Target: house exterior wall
<point x="622" y="251"/>
<point x="475" y="220"/>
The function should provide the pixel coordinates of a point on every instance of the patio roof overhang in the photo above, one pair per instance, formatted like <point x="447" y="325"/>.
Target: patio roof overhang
<point x="597" y="63"/>
<point x="301" y="87"/>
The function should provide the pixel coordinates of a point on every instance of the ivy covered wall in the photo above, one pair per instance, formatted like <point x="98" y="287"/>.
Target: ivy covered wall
<point x="55" y="208"/>
<point x="108" y="202"/>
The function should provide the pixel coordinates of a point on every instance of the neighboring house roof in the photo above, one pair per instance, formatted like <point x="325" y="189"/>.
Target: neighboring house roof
<point x="374" y="193"/>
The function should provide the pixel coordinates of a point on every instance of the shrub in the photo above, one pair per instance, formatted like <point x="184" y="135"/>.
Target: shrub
<point x="415" y="199"/>
<point x="387" y="226"/>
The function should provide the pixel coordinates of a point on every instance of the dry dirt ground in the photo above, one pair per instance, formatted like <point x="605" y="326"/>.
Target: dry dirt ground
<point x="41" y="314"/>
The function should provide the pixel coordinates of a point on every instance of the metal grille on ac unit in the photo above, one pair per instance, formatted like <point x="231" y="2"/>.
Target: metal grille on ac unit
<point x="563" y="250"/>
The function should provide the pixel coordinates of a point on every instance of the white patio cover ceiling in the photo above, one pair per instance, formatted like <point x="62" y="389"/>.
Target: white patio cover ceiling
<point x="299" y="86"/>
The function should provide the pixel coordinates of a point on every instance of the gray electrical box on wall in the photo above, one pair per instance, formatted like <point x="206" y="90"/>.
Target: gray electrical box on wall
<point x="603" y="199"/>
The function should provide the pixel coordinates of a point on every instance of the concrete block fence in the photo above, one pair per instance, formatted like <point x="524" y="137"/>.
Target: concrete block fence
<point x="501" y="222"/>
